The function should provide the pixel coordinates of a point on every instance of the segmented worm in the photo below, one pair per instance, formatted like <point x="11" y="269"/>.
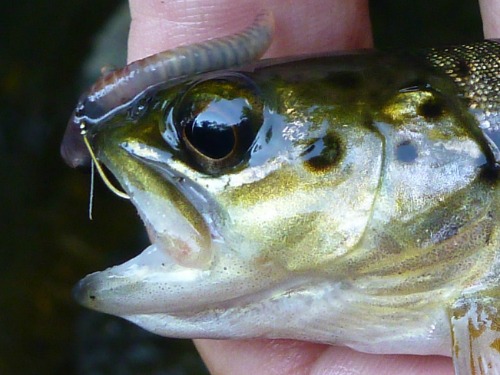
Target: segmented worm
<point x="118" y="88"/>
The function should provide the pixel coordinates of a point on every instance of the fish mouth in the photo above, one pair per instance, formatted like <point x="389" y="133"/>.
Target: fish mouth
<point x="150" y="283"/>
<point x="154" y="292"/>
<point x="163" y="281"/>
<point x="182" y="219"/>
<point x="154" y="282"/>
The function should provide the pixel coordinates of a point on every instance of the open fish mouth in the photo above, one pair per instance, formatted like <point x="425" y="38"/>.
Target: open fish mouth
<point x="154" y="283"/>
<point x="188" y="273"/>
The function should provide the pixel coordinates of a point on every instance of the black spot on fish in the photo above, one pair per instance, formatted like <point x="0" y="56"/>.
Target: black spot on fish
<point x="406" y="152"/>
<point x="431" y="108"/>
<point x="463" y="69"/>
<point x="269" y="135"/>
<point x="490" y="174"/>
<point x="323" y="154"/>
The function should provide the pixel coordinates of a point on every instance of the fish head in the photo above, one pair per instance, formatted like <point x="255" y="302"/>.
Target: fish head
<point x="247" y="193"/>
<point x="287" y="200"/>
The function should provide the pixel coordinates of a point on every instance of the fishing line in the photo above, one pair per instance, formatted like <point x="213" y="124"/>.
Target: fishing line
<point x="91" y="197"/>
<point x="97" y="165"/>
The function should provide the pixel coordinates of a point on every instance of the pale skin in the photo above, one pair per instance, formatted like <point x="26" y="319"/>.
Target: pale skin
<point x="301" y="27"/>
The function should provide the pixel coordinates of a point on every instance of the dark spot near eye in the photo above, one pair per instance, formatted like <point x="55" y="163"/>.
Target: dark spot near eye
<point x="431" y="108"/>
<point x="323" y="154"/>
<point x="463" y="69"/>
<point x="406" y="152"/>
<point x="92" y="297"/>
<point x="368" y="122"/>
<point x="490" y="174"/>
<point x="345" y="80"/>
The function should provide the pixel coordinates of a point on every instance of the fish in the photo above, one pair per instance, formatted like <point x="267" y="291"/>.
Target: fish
<point x="345" y="198"/>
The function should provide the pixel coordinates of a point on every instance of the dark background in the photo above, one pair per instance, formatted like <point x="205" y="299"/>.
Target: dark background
<point x="47" y="242"/>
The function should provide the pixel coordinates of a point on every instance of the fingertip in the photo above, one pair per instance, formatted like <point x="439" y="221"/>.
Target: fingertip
<point x="263" y="357"/>
<point x="490" y="13"/>
<point x="304" y="28"/>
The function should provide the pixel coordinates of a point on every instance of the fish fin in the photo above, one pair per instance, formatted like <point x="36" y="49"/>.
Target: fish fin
<point x="475" y="332"/>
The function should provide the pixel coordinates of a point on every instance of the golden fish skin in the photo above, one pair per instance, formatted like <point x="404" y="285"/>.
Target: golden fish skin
<point x="350" y="199"/>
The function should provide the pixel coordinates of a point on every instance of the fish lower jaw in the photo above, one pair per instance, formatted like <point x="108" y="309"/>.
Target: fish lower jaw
<point x="230" y="301"/>
<point x="227" y="327"/>
<point x="280" y="313"/>
<point x="153" y="282"/>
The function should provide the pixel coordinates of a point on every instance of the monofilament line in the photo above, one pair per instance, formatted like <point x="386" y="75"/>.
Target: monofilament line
<point x="108" y="183"/>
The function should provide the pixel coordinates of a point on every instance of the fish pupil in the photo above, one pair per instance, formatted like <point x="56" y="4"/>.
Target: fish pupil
<point x="215" y="128"/>
<point x="211" y="138"/>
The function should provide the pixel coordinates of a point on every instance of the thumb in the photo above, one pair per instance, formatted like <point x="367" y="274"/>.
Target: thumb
<point x="302" y="27"/>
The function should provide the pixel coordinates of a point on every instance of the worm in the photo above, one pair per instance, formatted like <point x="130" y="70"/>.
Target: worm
<point x="118" y="88"/>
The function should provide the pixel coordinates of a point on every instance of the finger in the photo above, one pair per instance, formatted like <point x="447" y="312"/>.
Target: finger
<point x="238" y="357"/>
<point x="285" y="357"/>
<point x="301" y="26"/>
<point x="490" y="12"/>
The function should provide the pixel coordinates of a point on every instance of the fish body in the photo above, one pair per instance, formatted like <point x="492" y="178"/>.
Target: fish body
<point x="350" y="199"/>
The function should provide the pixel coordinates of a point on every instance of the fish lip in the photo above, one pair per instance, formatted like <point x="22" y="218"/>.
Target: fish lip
<point x="142" y="286"/>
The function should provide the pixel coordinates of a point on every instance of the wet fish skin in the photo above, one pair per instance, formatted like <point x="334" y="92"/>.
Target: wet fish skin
<point x="354" y="200"/>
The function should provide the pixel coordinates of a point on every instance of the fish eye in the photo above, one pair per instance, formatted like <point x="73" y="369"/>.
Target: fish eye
<point x="217" y="121"/>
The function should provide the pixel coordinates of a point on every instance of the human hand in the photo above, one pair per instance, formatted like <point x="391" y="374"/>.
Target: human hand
<point x="162" y="25"/>
<point x="490" y="12"/>
<point x="338" y="25"/>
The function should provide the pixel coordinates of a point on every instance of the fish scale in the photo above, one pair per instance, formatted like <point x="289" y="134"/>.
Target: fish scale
<point x="474" y="68"/>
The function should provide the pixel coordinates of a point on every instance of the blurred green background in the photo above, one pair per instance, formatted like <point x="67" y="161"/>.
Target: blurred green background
<point x="49" y="51"/>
